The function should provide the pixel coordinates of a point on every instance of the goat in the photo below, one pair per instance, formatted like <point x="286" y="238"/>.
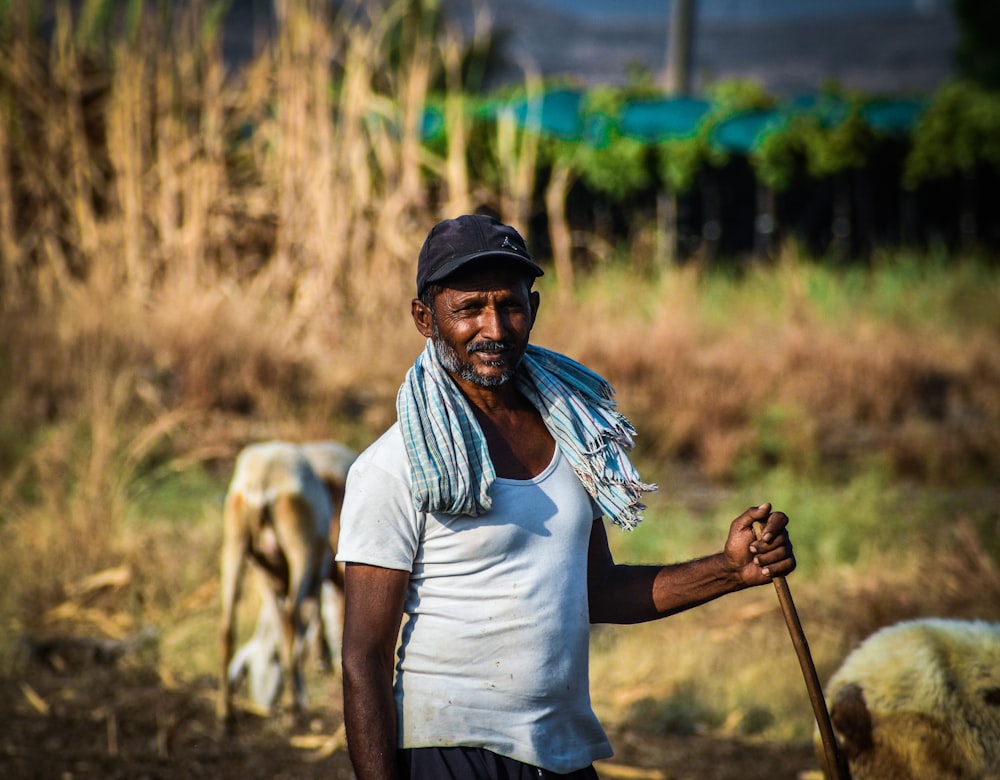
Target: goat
<point x="921" y="699"/>
<point x="277" y="515"/>
<point x="258" y="660"/>
<point x="331" y="461"/>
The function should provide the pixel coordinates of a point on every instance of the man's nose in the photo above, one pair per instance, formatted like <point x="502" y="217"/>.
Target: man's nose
<point x="492" y="325"/>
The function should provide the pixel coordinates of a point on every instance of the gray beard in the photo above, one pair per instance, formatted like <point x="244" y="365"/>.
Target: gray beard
<point x="453" y="365"/>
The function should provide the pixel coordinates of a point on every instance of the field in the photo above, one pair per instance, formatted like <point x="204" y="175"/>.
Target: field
<point x="881" y="534"/>
<point x="168" y="295"/>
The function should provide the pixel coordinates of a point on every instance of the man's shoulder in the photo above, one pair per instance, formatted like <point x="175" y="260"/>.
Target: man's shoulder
<point x="387" y="452"/>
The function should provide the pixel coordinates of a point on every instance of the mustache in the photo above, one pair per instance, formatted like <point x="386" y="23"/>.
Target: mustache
<point x="488" y="346"/>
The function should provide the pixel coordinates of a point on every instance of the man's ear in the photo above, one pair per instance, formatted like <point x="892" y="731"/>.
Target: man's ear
<point x="423" y="317"/>
<point x="535" y="300"/>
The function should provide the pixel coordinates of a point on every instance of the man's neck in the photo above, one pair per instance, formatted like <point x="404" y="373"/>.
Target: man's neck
<point x="520" y="445"/>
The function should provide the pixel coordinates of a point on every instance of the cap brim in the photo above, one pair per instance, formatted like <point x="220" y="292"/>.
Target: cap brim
<point x="456" y="263"/>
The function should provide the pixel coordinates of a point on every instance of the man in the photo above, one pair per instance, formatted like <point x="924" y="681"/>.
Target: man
<point x="478" y="518"/>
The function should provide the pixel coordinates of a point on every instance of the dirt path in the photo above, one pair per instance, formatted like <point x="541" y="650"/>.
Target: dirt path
<point x="110" y="723"/>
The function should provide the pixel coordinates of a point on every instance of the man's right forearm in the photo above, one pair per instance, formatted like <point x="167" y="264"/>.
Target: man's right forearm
<point x="370" y="721"/>
<point x="373" y="610"/>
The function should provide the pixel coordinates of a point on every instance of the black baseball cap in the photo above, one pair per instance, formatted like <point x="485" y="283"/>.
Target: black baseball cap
<point x="454" y="243"/>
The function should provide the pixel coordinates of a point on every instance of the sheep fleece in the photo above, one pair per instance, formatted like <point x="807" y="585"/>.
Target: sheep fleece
<point x="920" y="699"/>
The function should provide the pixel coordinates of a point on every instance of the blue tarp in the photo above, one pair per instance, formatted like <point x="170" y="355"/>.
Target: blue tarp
<point x="895" y="117"/>
<point x="830" y="111"/>
<point x="432" y="124"/>
<point x="560" y="114"/>
<point x="744" y="132"/>
<point x="659" y="120"/>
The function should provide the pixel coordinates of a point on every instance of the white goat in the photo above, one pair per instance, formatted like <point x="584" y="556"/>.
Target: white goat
<point x="921" y="700"/>
<point x="258" y="660"/>
<point x="277" y="515"/>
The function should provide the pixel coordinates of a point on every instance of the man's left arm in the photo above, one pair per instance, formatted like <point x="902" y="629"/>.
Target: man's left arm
<point x="622" y="593"/>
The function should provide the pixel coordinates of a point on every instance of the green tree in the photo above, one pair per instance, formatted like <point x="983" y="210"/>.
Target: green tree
<point x="977" y="54"/>
<point x="959" y="131"/>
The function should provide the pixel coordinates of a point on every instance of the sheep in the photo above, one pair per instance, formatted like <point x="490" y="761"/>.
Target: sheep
<point x="277" y="515"/>
<point x="920" y="699"/>
<point x="258" y="660"/>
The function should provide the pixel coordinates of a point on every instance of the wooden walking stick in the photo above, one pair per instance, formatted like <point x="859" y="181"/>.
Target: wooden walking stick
<point x="836" y="765"/>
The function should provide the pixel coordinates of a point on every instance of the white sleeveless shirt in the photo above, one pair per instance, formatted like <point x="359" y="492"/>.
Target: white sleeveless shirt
<point x="495" y="647"/>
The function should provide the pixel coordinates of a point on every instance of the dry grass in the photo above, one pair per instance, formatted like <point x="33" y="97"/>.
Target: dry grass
<point x="793" y="364"/>
<point x="729" y="668"/>
<point x="191" y="259"/>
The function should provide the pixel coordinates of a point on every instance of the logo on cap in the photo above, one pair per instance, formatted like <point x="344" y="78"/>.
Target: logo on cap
<point x="508" y="245"/>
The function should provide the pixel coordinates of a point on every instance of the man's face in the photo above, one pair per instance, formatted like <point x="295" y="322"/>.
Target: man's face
<point x="480" y="323"/>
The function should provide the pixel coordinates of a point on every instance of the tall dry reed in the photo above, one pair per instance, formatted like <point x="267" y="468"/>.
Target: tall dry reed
<point x="182" y="246"/>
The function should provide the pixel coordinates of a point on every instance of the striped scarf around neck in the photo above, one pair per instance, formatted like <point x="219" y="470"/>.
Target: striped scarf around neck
<point x="450" y="466"/>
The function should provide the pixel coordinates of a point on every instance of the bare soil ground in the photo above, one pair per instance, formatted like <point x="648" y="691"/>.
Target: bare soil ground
<point x="109" y="722"/>
<point x="105" y="722"/>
